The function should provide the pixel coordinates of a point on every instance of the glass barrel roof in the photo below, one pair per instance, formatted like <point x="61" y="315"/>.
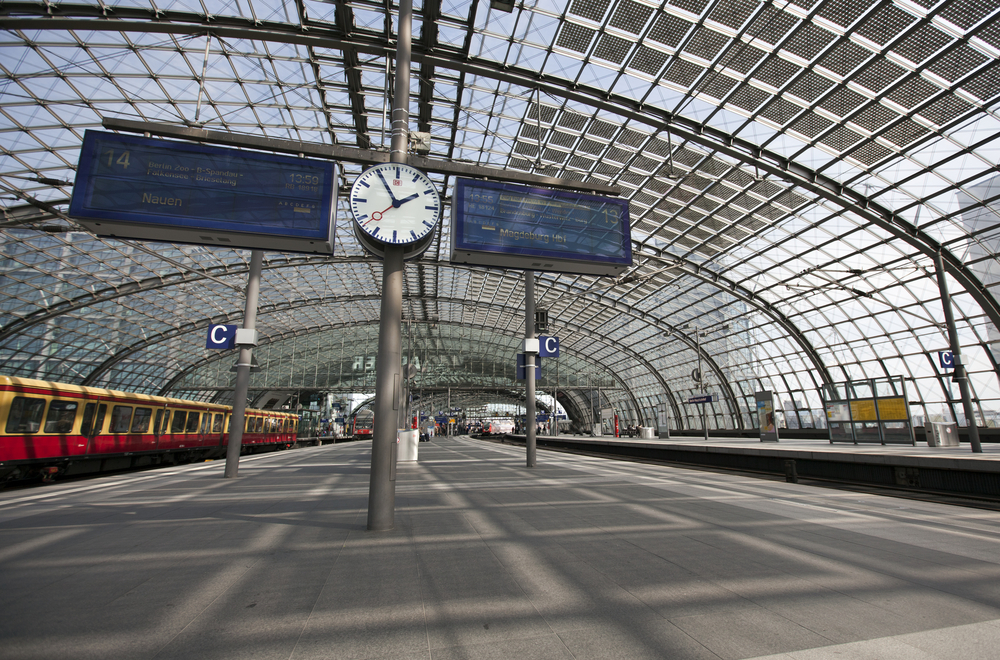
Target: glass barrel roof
<point x="792" y="168"/>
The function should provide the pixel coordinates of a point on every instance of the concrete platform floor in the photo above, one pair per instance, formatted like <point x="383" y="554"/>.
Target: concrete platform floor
<point x="577" y="558"/>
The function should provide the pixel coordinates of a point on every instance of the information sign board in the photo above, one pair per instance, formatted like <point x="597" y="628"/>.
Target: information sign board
<point x="893" y="409"/>
<point x="766" y="427"/>
<point x="838" y="411"/>
<point x="512" y="226"/>
<point x="134" y="187"/>
<point x="520" y="370"/>
<point x="548" y="346"/>
<point x="703" y="398"/>
<point x="946" y="359"/>
<point x="221" y="337"/>
<point x="863" y="410"/>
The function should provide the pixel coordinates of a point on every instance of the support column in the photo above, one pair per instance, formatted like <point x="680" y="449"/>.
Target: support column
<point x="959" y="374"/>
<point x="555" y="405"/>
<point x="529" y="366"/>
<point x="238" y="418"/>
<point x="388" y="363"/>
<point x="382" y="483"/>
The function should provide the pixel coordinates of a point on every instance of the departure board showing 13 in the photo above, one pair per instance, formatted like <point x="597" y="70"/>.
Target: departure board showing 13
<point x="134" y="187"/>
<point x="513" y="226"/>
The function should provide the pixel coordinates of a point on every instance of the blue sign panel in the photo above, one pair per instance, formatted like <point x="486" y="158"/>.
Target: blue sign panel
<point x="520" y="371"/>
<point x="946" y="359"/>
<point x="512" y="226"/>
<point x="221" y="337"/>
<point x="548" y="346"/>
<point x="135" y="187"/>
<point x="703" y="398"/>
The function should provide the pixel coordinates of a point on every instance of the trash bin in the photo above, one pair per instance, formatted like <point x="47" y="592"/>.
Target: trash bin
<point x="408" y="443"/>
<point x="647" y="432"/>
<point x="942" y="434"/>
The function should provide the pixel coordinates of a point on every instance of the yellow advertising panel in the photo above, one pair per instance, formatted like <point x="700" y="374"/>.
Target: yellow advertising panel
<point x="863" y="410"/>
<point x="892" y="409"/>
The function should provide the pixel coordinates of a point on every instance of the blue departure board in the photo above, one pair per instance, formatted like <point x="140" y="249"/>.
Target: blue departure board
<point x="135" y="187"/>
<point x="514" y="226"/>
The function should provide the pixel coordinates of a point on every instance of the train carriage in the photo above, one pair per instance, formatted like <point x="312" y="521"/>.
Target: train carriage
<point x="363" y="424"/>
<point x="53" y="428"/>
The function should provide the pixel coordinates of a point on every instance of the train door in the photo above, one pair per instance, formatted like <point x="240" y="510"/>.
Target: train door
<point x="191" y="438"/>
<point x="160" y="424"/>
<point x="206" y="429"/>
<point x="93" y="423"/>
<point x="218" y="428"/>
<point x="178" y="421"/>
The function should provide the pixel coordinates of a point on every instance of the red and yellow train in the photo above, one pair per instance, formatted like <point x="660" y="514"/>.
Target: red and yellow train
<point x="48" y="429"/>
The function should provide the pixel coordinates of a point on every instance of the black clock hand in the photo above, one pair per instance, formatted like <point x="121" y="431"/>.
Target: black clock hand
<point x="385" y="183"/>
<point x="399" y="202"/>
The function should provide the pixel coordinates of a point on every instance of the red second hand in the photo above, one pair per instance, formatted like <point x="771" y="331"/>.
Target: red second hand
<point x="379" y="214"/>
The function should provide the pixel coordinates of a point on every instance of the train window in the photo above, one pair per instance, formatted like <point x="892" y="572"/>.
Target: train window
<point x="256" y="424"/>
<point x="92" y="425"/>
<point x="217" y="425"/>
<point x="121" y="416"/>
<point x="192" y="425"/>
<point x="61" y="416"/>
<point x="206" y="422"/>
<point x="177" y="425"/>
<point x="140" y="423"/>
<point x="25" y="415"/>
<point x="162" y="419"/>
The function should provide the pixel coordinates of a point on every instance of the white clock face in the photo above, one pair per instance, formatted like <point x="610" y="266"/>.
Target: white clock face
<point x="395" y="203"/>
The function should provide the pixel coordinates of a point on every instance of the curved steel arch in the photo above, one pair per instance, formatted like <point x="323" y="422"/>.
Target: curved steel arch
<point x="617" y="305"/>
<point x="184" y="277"/>
<point x="127" y="19"/>
<point x="302" y="332"/>
<point x="177" y="278"/>
<point x="181" y="277"/>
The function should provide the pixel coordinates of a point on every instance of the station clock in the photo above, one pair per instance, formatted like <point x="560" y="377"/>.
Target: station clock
<point x="395" y="204"/>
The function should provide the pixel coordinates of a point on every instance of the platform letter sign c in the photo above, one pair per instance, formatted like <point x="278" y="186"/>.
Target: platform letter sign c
<point x="947" y="359"/>
<point x="548" y="346"/>
<point x="221" y="337"/>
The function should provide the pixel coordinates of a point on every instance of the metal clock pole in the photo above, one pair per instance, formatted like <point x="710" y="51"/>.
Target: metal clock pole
<point x="382" y="483"/>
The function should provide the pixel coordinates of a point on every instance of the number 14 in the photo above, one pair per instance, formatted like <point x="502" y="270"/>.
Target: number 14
<point x="122" y="160"/>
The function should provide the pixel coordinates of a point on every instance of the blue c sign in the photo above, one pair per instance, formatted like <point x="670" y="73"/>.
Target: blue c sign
<point x="946" y="359"/>
<point x="548" y="346"/>
<point x="221" y="337"/>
